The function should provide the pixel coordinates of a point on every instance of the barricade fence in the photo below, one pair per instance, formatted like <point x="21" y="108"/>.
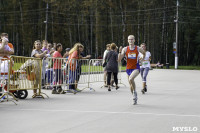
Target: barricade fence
<point x="120" y="74"/>
<point x="27" y="73"/>
<point x="24" y="73"/>
<point x="59" y="72"/>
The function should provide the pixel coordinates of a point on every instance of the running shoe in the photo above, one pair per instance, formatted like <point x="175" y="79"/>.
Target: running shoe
<point x="134" y="101"/>
<point x="59" y="90"/>
<point x="135" y="98"/>
<point x="62" y="92"/>
<point x="143" y="91"/>
<point x="109" y="89"/>
<point x="54" y="92"/>
<point x="117" y="87"/>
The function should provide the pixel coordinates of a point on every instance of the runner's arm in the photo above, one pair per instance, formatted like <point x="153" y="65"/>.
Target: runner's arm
<point x="121" y="53"/>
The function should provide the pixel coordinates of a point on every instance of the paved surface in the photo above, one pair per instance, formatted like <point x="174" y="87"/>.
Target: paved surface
<point x="172" y="101"/>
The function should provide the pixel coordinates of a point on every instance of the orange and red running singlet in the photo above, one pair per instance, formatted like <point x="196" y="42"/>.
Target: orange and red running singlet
<point x="132" y="60"/>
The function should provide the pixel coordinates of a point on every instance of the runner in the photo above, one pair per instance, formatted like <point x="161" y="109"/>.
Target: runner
<point x="145" y="65"/>
<point x="132" y="67"/>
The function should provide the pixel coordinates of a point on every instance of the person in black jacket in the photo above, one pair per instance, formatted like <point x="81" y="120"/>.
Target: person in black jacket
<point x="112" y="65"/>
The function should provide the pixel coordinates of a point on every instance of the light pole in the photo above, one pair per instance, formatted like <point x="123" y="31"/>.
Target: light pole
<point x="46" y="22"/>
<point x="176" y="54"/>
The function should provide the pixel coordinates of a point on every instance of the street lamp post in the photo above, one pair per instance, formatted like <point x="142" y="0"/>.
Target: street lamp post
<point x="46" y="22"/>
<point x="176" y="54"/>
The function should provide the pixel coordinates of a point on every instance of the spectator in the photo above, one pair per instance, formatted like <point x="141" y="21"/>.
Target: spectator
<point x="57" y="69"/>
<point x="74" y="72"/>
<point x="66" y="54"/>
<point x="104" y="55"/>
<point x="44" y="48"/>
<point x="112" y="76"/>
<point x="6" y="49"/>
<point x="44" y="45"/>
<point x="54" y="46"/>
<point x="37" y="53"/>
<point x="49" y="65"/>
<point x="50" y="50"/>
<point x="112" y="65"/>
<point x="79" y="64"/>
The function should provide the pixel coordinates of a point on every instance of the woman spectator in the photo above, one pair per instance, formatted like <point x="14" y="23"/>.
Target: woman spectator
<point x="57" y="64"/>
<point x="75" y="72"/>
<point x="37" y="53"/>
<point x="112" y="65"/>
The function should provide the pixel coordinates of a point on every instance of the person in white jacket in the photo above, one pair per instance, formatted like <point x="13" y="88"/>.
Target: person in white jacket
<point x="104" y="55"/>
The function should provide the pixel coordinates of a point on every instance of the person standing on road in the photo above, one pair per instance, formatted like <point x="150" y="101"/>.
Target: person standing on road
<point x="75" y="66"/>
<point x="57" y="67"/>
<point x="132" y="68"/>
<point x="145" y="66"/>
<point x="37" y="53"/>
<point x="104" y="55"/>
<point x="112" y="65"/>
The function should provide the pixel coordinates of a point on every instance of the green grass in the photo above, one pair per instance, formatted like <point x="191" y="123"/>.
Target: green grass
<point x="85" y="68"/>
<point x="16" y="66"/>
<point x="186" y="67"/>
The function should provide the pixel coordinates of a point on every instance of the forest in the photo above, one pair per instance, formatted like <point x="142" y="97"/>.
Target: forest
<point x="95" y="23"/>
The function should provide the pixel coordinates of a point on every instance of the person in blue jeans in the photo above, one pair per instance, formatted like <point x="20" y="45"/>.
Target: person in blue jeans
<point x="75" y="65"/>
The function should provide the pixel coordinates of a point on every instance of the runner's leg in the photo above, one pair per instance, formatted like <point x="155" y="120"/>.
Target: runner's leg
<point x="133" y="75"/>
<point x="146" y="71"/>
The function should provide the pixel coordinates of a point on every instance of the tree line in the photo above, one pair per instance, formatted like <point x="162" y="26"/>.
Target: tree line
<point x="96" y="23"/>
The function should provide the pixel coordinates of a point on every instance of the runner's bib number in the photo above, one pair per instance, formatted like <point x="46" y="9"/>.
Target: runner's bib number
<point x="145" y="63"/>
<point x="132" y="55"/>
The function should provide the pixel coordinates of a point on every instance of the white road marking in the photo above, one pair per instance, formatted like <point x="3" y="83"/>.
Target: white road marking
<point x="105" y="112"/>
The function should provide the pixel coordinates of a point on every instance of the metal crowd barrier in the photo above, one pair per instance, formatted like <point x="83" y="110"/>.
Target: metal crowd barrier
<point x="78" y="72"/>
<point x="25" y="74"/>
<point x="96" y="71"/>
<point x="59" y="72"/>
<point x="120" y="74"/>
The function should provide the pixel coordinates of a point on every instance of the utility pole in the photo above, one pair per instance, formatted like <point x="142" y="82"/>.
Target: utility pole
<point x="176" y="54"/>
<point x="46" y="21"/>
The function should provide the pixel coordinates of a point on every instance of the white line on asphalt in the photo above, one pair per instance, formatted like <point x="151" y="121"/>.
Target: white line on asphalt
<point x="105" y="112"/>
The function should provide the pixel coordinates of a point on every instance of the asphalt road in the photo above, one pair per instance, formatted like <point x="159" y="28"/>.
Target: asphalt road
<point x="172" y="104"/>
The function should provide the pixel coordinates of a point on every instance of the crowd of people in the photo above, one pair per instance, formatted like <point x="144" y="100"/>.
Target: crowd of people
<point x="137" y="60"/>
